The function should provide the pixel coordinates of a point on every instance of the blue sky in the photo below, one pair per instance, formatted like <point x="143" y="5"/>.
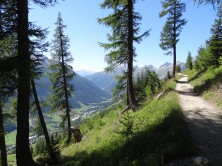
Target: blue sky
<point x="85" y="33"/>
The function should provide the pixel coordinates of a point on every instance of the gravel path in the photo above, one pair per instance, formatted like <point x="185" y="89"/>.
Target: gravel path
<point x="204" y="122"/>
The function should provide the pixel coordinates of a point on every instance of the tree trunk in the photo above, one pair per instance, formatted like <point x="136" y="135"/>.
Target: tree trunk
<point x="132" y="101"/>
<point x="42" y="121"/>
<point x="174" y="42"/>
<point x="66" y="91"/>
<point x="174" y="60"/>
<point x="3" y="151"/>
<point x="67" y="102"/>
<point x="23" y="153"/>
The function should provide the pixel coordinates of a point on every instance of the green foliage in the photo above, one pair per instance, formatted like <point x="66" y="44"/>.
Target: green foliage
<point x="147" y="85"/>
<point x="126" y="128"/>
<point x="11" y="159"/>
<point x="174" y="23"/>
<point x="220" y="60"/>
<point x="169" y="36"/>
<point x="40" y="146"/>
<point x="56" y="139"/>
<point x="120" y="89"/>
<point x="203" y="59"/>
<point x="213" y="2"/>
<point x="189" y="63"/>
<point x="42" y="152"/>
<point x="8" y="79"/>
<point x="38" y="128"/>
<point x="178" y="69"/>
<point x="208" y="84"/>
<point x="210" y="55"/>
<point x="157" y="133"/>
<point x="124" y="22"/>
<point x="8" y="19"/>
<point x="61" y="73"/>
<point x="168" y="75"/>
<point x="118" y="39"/>
<point x="215" y="41"/>
<point x="204" y="81"/>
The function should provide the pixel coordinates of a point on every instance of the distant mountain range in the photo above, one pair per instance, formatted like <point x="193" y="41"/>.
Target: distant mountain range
<point x="85" y="92"/>
<point x="96" y="87"/>
<point x="106" y="81"/>
<point x="84" y="73"/>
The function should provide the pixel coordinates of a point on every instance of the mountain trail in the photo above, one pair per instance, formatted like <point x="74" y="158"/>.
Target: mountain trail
<point x="204" y="122"/>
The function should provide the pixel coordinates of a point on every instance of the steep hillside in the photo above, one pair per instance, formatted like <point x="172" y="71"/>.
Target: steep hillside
<point x="156" y="136"/>
<point x="85" y="92"/>
<point x="208" y="84"/>
<point x="106" y="81"/>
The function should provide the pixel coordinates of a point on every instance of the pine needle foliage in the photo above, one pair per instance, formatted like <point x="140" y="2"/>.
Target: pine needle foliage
<point x="124" y="24"/>
<point x="189" y="62"/>
<point x="215" y="41"/>
<point x="61" y="73"/>
<point x="169" y="38"/>
<point x="118" y="42"/>
<point x="213" y="2"/>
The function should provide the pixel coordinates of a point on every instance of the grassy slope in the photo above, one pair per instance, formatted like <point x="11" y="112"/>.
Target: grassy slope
<point x="10" y="138"/>
<point x="159" y="137"/>
<point x="208" y="84"/>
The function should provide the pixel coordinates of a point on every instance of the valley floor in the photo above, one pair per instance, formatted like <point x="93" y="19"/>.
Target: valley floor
<point x="204" y="122"/>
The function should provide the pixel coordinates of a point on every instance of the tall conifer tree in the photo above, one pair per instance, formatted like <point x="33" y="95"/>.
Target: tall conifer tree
<point x="62" y="72"/>
<point x="14" y="15"/>
<point x="23" y="154"/>
<point x="189" y="63"/>
<point x="7" y="86"/>
<point x="125" y="28"/>
<point x="37" y="47"/>
<point x="172" y="28"/>
<point x="215" y="41"/>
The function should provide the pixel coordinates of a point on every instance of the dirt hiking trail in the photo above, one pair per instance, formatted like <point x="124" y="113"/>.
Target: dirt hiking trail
<point x="204" y="122"/>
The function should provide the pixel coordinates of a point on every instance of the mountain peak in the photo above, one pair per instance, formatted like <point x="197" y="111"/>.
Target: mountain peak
<point x="166" y="64"/>
<point x="84" y="73"/>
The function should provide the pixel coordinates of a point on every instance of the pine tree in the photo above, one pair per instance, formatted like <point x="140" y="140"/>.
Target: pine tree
<point x="214" y="2"/>
<point x="178" y="69"/>
<point x="189" y="63"/>
<point x="125" y="28"/>
<point x="62" y="72"/>
<point x="23" y="153"/>
<point x="215" y="42"/>
<point x="120" y="89"/>
<point x="172" y="28"/>
<point x="168" y="76"/>
<point x="15" y="16"/>
<point x="3" y="156"/>
<point x="8" y="18"/>
<point x="7" y="88"/>
<point x="52" y="155"/>
<point x="7" y="64"/>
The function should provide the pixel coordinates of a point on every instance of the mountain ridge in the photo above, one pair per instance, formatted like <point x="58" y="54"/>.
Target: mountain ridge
<point x="85" y="92"/>
<point x="106" y="81"/>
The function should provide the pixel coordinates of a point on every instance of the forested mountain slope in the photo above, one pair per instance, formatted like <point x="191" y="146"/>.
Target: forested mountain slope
<point x="85" y="92"/>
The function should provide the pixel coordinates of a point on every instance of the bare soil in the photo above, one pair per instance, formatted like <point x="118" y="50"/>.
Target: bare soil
<point x="204" y="121"/>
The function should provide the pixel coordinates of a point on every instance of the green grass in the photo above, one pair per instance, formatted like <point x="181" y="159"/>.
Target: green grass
<point x="208" y="84"/>
<point x="159" y="136"/>
<point x="11" y="160"/>
<point x="10" y="138"/>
